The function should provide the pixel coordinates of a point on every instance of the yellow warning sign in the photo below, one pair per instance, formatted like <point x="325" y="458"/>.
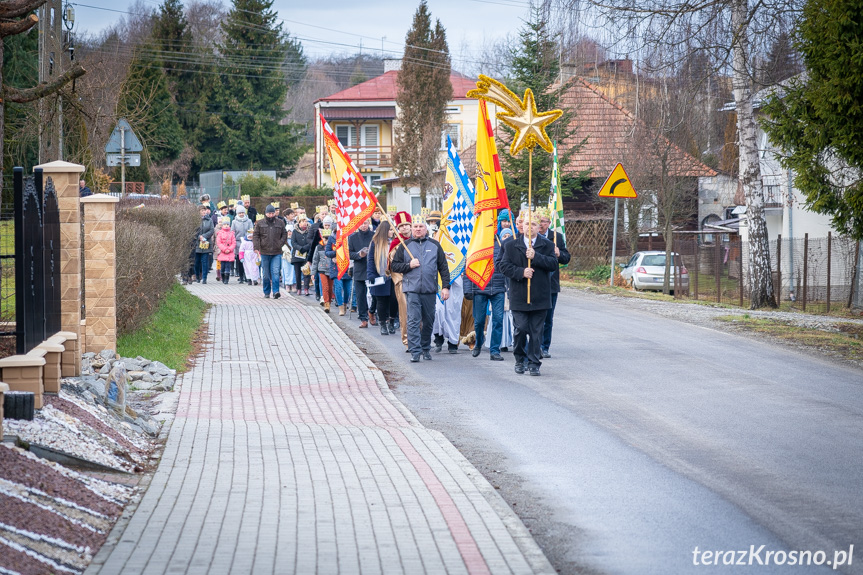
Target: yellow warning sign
<point x="618" y="185"/>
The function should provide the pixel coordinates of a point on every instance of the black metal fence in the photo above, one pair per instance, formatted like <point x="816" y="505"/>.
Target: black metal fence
<point x="30" y="253"/>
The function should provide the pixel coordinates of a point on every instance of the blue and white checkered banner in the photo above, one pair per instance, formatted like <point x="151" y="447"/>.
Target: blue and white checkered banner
<point x="457" y="219"/>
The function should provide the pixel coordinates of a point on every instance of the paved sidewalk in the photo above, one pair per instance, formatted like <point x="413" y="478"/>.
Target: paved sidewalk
<point x="289" y="454"/>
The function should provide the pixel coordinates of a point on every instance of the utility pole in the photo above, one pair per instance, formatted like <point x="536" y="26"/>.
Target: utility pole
<point x="54" y="60"/>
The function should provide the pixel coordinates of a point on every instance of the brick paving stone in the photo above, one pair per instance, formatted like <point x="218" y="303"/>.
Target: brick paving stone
<point x="289" y="454"/>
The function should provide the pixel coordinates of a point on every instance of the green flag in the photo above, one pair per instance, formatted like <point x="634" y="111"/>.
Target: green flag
<point x="555" y="199"/>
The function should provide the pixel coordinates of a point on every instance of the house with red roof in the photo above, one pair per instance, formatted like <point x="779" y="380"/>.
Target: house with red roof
<point x="363" y="117"/>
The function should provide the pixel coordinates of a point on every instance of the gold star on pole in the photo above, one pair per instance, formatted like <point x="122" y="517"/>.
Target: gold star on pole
<point x="520" y="115"/>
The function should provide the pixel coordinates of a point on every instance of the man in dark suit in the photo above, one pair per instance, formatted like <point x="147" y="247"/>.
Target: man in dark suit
<point x="528" y="318"/>
<point x="563" y="258"/>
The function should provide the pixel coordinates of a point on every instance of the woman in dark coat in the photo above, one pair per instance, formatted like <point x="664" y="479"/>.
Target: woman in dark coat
<point x="382" y="289"/>
<point x="300" y="244"/>
<point x="204" y="249"/>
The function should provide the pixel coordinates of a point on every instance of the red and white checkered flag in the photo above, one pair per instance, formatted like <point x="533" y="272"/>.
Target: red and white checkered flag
<point x="355" y="203"/>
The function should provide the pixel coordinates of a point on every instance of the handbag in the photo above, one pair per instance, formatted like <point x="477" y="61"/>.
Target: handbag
<point x="203" y="245"/>
<point x="306" y="269"/>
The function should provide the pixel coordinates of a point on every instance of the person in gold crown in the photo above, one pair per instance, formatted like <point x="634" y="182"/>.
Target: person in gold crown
<point x="528" y="257"/>
<point x="322" y="265"/>
<point x="421" y="260"/>
<point x="301" y="241"/>
<point x="402" y="220"/>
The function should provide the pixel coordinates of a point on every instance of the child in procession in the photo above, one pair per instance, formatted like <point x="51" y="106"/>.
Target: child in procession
<point x="226" y="242"/>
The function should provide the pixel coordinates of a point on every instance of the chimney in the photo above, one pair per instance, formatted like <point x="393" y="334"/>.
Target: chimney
<point x="625" y="66"/>
<point x="391" y="64"/>
<point x="567" y="71"/>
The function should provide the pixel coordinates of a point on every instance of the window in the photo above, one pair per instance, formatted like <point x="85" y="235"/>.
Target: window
<point x="451" y="130"/>
<point x="372" y="181"/>
<point x="371" y="151"/>
<point x="347" y="136"/>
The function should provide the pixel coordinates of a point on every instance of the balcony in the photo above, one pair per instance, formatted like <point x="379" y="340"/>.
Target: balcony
<point x="372" y="157"/>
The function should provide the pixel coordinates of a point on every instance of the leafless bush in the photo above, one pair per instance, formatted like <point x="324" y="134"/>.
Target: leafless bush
<point x="143" y="275"/>
<point x="176" y="221"/>
<point x="152" y="248"/>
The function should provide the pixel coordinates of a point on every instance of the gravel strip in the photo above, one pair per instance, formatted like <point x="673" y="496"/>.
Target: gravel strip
<point x="89" y="419"/>
<point x="700" y="313"/>
<point x="18" y="468"/>
<point x="17" y="561"/>
<point x="29" y="517"/>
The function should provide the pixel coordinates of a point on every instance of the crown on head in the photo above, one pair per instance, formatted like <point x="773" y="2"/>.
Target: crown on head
<point x="275" y="205"/>
<point x="221" y="205"/>
<point x="295" y="205"/>
<point x="245" y="198"/>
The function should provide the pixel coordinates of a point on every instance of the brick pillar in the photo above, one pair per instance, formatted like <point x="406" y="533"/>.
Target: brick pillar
<point x="100" y="273"/>
<point x="65" y="177"/>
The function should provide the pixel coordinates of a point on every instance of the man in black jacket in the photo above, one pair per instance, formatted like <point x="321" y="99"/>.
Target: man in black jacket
<point x="420" y="269"/>
<point x="563" y="258"/>
<point x="528" y="318"/>
<point x="358" y="247"/>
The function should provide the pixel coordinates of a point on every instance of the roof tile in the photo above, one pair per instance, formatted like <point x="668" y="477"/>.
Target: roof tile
<point x="384" y="88"/>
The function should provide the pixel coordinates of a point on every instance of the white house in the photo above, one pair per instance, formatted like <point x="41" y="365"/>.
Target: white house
<point x="787" y="216"/>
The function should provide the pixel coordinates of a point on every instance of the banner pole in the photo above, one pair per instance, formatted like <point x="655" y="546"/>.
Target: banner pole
<point x="529" y="210"/>
<point x="398" y="235"/>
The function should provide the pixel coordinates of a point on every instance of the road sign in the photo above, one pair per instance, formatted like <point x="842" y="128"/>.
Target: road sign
<point x="130" y="140"/>
<point x="132" y="160"/>
<point x="618" y="185"/>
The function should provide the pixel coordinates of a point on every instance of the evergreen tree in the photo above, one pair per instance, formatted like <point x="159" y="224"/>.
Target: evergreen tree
<point x="146" y="102"/>
<point x="184" y="66"/>
<point x="20" y="69"/>
<point x="424" y="91"/>
<point x="818" y="121"/>
<point x="244" y="126"/>
<point x="535" y="65"/>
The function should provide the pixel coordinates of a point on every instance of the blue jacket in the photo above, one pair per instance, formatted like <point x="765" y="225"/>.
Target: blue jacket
<point x="330" y="254"/>
<point x="497" y="283"/>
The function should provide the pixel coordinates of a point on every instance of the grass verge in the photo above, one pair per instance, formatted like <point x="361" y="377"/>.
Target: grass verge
<point x="844" y="340"/>
<point x="170" y="335"/>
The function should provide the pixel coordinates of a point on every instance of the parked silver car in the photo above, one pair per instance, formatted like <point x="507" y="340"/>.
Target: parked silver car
<point x="646" y="271"/>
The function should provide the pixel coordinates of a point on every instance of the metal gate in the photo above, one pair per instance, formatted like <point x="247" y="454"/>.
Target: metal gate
<point x="36" y="259"/>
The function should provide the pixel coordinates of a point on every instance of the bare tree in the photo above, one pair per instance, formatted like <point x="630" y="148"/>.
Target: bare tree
<point x="733" y="32"/>
<point x="16" y="17"/>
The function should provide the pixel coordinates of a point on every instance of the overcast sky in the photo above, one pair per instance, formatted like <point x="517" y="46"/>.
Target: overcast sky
<point x="339" y="26"/>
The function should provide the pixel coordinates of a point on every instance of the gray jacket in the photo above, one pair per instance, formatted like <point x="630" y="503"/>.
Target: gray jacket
<point x="240" y="227"/>
<point x="208" y="230"/>
<point x="432" y="262"/>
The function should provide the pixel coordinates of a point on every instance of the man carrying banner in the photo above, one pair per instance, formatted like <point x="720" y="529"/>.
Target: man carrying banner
<point x="529" y="256"/>
<point x="358" y="246"/>
<point x="420" y="285"/>
<point x="454" y="235"/>
<point x="492" y="295"/>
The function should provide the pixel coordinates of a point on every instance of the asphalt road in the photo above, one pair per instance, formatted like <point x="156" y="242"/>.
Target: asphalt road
<point x="647" y="437"/>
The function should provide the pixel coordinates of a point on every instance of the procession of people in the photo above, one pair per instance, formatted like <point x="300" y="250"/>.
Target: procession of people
<point x="398" y="276"/>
